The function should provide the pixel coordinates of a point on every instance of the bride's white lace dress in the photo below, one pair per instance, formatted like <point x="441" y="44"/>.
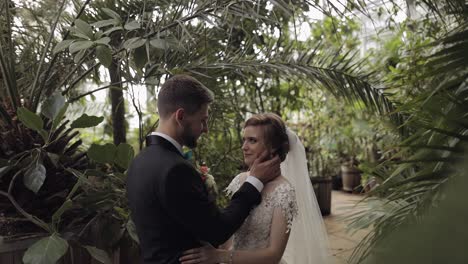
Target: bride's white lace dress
<point x="255" y="231"/>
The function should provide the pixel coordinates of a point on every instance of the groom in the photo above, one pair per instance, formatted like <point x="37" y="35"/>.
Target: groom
<point x="169" y="203"/>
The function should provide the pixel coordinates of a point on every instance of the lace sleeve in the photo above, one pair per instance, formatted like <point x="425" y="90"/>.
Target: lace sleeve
<point x="284" y="197"/>
<point x="233" y="186"/>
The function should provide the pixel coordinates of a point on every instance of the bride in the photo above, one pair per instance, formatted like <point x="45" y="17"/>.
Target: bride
<point x="286" y="227"/>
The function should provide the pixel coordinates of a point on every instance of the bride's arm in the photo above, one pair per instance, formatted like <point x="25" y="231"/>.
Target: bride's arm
<point x="272" y="254"/>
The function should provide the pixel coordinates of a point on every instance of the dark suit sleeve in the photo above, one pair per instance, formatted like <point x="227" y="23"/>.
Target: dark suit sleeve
<point x="186" y="199"/>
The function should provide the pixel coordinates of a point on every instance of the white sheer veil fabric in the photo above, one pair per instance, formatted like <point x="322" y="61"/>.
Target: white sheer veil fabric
<point x="308" y="241"/>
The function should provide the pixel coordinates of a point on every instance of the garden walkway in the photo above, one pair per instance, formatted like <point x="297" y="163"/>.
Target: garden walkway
<point x="342" y="243"/>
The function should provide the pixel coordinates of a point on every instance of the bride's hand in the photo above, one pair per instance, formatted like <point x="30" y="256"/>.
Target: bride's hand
<point x="202" y="255"/>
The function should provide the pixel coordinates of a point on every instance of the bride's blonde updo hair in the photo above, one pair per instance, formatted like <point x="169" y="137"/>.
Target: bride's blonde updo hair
<point x="274" y="132"/>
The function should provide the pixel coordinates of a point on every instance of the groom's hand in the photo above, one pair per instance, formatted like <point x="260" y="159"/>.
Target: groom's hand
<point x="266" y="169"/>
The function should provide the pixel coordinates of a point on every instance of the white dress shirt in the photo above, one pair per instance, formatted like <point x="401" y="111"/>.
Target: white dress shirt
<point x="250" y="179"/>
<point x="168" y="138"/>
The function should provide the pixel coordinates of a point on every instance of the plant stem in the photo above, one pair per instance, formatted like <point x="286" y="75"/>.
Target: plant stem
<point x="93" y="91"/>
<point x="30" y="217"/>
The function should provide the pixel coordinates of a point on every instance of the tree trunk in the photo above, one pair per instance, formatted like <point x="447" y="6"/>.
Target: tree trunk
<point x="118" y="105"/>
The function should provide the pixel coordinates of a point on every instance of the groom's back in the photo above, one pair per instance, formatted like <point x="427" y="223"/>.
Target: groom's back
<point x="162" y="238"/>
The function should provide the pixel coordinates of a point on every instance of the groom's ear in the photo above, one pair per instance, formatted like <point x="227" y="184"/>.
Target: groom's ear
<point x="180" y="114"/>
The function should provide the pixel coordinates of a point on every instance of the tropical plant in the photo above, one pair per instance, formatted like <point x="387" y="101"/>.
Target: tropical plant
<point x="435" y="128"/>
<point x="41" y="158"/>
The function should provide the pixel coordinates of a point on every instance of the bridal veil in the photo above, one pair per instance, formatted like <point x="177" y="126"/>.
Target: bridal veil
<point x="308" y="241"/>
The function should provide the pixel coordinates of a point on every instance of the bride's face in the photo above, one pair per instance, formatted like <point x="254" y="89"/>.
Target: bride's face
<point x="253" y="145"/>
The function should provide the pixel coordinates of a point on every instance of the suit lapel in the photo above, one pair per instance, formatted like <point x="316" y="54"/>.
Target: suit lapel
<point x="157" y="140"/>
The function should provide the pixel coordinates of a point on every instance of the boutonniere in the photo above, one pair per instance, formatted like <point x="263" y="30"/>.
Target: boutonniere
<point x="204" y="172"/>
<point x="208" y="179"/>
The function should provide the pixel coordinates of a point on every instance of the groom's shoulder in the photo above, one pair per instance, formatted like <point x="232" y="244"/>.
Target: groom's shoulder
<point x="156" y="152"/>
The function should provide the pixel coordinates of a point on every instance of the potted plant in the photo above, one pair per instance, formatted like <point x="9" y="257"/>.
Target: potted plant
<point x="350" y="174"/>
<point x="322" y="166"/>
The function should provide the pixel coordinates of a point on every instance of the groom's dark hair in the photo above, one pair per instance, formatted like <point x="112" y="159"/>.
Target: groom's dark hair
<point x="182" y="91"/>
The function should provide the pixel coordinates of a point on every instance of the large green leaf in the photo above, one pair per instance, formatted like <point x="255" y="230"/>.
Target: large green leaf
<point x="132" y="25"/>
<point x="105" y="23"/>
<point x="34" y="177"/>
<point x="124" y="155"/>
<point x="131" y="229"/>
<point x="104" y="55"/>
<point x="103" y="40"/>
<point x="98" y="254"/>
<point x="30" y="119"/>
<point x="102" y="153"/>
<point x="111" y="13"/>
<point x="58" y="118"/>
<point x="52" y="105"/>
<point x="46" y="251"/>
<point x="80" y="45"/>
<point x="159" y="43"/>
<point x="64" y="44"/>
<point x="84" y="28"/>
<point x="79" y="55"/>
<point x="87" y="121"/>
<point x="54" y="158"/>
<point x="112" y="29"/>
<point x="134" y="43"/>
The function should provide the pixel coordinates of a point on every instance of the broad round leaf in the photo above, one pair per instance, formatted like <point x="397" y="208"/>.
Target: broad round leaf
<point x="84" y="28"/>
<point x="104" y="55"/>
<point x="87" y="121"/>
<point x="102" y="153"/>
<point x="63" y="45"/>
<point x="159" y="43"/>
<point x="79" y="56"/>
<point x="105" y="23"/>
<point x="132" y="25"/>
<point x="131" y="229"/>
<point x="111" y="13"/>
<point x="80" y="45"/>
<point x="52" y="105"/>
<point x="34" y="178"/>
<point x="98" y="254"/>
<point x="134" y="43"/>
<point x="58" y="118"/>
<point x="104" y="40"/>
<point x="78" y="34"/>
<point x="54" y="158"/>
<point x="124" y="155"/>
<point x="107" y="32"/>
<point x="46" y="251"/>
<point x="30" y="119"/>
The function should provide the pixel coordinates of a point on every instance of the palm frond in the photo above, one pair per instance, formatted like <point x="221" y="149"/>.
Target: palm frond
<point x="438" y="130"/>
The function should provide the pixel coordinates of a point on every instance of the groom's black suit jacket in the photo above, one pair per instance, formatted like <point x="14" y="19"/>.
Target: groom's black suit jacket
<point x="171" y="207"/>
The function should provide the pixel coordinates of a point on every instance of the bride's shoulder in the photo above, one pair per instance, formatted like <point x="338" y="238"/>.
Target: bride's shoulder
<point x="240" y="177"/>
<point x="280" y="183"/>
<point x="235" y="184"/>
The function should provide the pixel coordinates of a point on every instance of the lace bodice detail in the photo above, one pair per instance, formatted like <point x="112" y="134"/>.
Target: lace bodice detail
<point x="255" y="231"/>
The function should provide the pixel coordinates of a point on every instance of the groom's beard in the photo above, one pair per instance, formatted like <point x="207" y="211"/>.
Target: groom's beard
<point x="189" y="139"/>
